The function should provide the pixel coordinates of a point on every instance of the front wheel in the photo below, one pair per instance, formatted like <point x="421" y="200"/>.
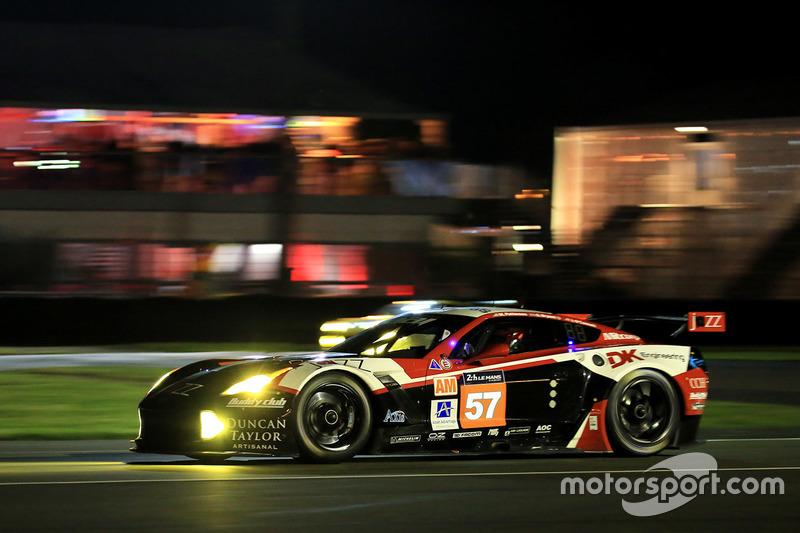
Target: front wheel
<point x="333" y="419"/>
<point x="643" y="412"/>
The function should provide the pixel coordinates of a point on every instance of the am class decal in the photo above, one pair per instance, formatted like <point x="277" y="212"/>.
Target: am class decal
<point x="445" y="386"/>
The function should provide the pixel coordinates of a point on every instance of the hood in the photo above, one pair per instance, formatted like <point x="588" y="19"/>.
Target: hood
<point x="208" y="379"/>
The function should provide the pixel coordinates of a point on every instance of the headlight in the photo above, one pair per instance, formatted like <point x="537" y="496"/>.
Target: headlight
<point x="210" y="425"/>
<point x="254" y="384"/>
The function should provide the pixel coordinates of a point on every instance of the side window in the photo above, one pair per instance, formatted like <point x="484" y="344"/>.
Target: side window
<point x="503" y="337"/>
<point x="472" y="344"/>
<point x="415" y="340"/>
<point x="406" y="336"/>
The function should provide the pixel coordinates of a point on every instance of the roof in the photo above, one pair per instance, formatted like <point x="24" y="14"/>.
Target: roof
<point x="478" y="311"/>
<point x="190" y="70"/>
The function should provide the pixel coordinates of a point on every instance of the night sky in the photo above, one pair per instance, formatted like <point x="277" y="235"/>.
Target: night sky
<point x="509" y="72"/>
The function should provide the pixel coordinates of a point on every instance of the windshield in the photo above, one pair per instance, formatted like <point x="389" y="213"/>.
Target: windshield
<point x="407" y="336"/>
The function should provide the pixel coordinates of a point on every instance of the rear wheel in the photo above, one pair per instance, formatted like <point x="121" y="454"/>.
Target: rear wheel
<point x="333" y="419"/>
<point x="643" y="412"/>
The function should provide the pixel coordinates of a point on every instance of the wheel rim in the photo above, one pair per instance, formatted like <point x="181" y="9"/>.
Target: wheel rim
<point x="332" y="416"/>
<point x="645" y="411"/>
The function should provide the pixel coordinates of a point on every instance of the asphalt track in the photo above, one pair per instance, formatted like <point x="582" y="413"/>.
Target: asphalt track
<point x="100" y="486"/>
<point x="92" y="486"/>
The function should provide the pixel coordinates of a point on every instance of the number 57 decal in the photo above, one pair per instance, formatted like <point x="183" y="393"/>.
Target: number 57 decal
<point x="483" y="405"/>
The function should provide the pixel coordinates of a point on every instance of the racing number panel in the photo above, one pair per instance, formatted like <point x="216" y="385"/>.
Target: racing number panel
<point x="540" y="398"/>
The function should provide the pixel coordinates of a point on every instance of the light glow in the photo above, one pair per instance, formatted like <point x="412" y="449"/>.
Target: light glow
<point x="387" y="336"/>
<point x="523" y="227"/>
<point x="641" y="158"/>
<point x="371" y="321"/>
<point x="254" y="384"/>
<point x="49" y="164"/>
<point x="335" y="326"/>
<point x="399" y="290"/>
<point x="340" y="327"/>
<point x="532" y="193"/>
<point x="527" y="247"/>
<point x="375" y="351"/>
<point x="691" y="129"/>
<point x="415" y="307"/>
<point x="210" y="425"/>
<point x="328" y="341"/>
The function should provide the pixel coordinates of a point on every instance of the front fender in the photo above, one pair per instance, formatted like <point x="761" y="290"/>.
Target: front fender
<point x="294" y="380"/>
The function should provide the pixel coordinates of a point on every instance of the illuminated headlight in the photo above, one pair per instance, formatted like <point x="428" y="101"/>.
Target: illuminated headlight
<point x="255" y="384"/>
<point x="252" y="385"/>
<point x="210" y="425"/>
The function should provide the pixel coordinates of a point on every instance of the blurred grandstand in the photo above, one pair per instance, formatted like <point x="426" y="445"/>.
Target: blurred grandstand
<point x="705" y="211"/>
<point x="290" y="179"/>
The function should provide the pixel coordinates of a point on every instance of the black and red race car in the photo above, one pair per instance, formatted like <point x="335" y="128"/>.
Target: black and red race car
<point x="461" y="379"/>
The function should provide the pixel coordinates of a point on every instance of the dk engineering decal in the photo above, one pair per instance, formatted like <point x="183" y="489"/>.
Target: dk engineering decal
<point x="623" y="357"/>
<point x="617" y="359"/>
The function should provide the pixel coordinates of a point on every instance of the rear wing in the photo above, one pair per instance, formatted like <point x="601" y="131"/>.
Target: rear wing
<point x="666" y="329"/>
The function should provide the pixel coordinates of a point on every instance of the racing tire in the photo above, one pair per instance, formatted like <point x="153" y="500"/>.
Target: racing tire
<point x="333" y="419"/>
<point x="643" y="413"/>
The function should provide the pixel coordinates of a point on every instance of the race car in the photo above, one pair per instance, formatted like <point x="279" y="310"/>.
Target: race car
<point x="475" y="380"/>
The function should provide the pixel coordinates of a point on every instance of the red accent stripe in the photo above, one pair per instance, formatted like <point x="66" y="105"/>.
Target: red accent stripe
<point x="467" y="368"/>
<point x="694" y="381"/>
<point x="595" y="440"/>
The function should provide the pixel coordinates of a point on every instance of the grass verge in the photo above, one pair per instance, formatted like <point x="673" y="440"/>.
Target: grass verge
<point x="73" y="402"/>
<point x="740" y="415"/>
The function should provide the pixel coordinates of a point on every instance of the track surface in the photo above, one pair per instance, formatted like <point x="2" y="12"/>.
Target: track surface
<point x="100" y="486"/>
